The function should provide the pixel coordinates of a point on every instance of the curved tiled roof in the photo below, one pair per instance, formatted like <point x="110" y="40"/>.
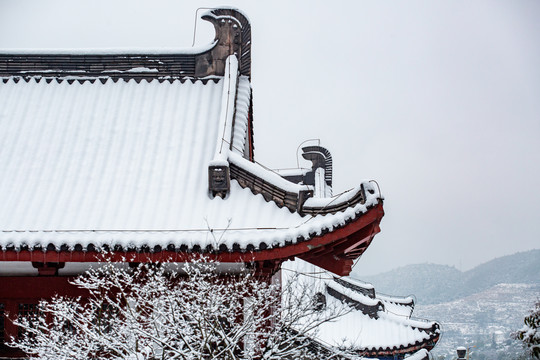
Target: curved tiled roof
<point x="369" y="328"/>
<point x="113" y="151"/>
<point x="389" y="332"/>
<point x="125" y="163"/>
<point x="398" y="305"/>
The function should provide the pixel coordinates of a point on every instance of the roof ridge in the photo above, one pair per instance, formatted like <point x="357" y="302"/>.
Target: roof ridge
<point x="233" y="36"/>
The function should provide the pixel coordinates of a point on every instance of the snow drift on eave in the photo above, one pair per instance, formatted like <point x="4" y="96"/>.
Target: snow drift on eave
<point x="125" y="163"/>
<point x="386" y="332"/>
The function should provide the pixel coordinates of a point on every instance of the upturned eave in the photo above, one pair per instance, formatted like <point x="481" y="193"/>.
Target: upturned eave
<point x="334" y="251"/>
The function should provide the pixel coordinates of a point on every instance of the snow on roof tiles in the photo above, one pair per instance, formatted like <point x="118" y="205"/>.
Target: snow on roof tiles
<point x="125" y="163"/>
<point x="421" y="354"/>
<point x="397" y="305"/>
<point x="240" y="130"/>
<point x="387" y="332"/>
<point x="384" y="334"/>
<point x="365" y="333"/>
<point x="397" y="309"/>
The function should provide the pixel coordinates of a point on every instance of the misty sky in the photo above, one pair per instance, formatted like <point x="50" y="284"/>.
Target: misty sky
<point x="437" y="101"/>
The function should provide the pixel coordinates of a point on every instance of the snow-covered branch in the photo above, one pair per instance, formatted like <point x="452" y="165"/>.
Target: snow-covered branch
<point x="164" y="311"/>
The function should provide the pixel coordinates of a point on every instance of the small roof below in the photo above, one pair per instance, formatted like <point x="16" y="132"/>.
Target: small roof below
<point x="370" y="328"/>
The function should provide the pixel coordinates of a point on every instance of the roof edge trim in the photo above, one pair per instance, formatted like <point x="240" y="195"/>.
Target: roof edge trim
<point x="296" y="197"/>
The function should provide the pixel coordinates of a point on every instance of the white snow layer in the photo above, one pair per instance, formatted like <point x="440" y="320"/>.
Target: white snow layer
<point x="351" y="294"/>
<point x="359" y="283"/>
<point x="402" y="306"/>
<point x="226" y="116"/>
<point x="397" y="309"/>
<point x="127" y="163"/>
<point x="111" y="51"/>
<point x="355" y="329"/>
<point x="397" y="305"/>
<point x="419" y="355"/>
<point x="242" y="115"/>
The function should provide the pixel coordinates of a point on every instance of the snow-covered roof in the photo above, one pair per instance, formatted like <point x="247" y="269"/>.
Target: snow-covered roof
<point x="106" y="151"/>
<point x="384" y="335"/>
<point x="127" y="163"/>
<point x="421" y="354"/>
<point x="398" y="305"/>
<point x="381" y="332"/>
<point x="401" y="306"/>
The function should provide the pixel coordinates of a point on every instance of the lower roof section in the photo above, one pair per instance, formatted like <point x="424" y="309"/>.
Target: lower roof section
<point x="382" y="336"/>
<point x="367" y="326"/>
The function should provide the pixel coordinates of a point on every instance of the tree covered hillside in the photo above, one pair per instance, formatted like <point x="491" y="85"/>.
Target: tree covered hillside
<point x="478" y="308"/>
<point x="433" y="284"/>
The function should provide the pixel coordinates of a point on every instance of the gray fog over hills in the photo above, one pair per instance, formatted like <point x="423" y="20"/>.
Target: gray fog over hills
<point x="478" y="308"/>
<point x="433" y="284"/>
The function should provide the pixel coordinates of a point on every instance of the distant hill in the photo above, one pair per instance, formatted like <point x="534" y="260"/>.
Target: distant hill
<point x="520" y="268"/>
<point x="485" y="320"/>
<point x="433" y="284"/>
<point x="479" y="307"/>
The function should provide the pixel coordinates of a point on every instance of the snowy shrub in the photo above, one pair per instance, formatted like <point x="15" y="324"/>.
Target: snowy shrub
<point x="160" y="311"/>
<point x="530" y="334"/>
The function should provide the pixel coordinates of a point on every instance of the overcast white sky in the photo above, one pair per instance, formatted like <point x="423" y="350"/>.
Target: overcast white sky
<point x="437" y="101"/>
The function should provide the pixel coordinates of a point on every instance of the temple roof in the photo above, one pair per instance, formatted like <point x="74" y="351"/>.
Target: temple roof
<point x="148" y="152"/>
<point x="391" y="331"/>
<point x="372" y="327"/>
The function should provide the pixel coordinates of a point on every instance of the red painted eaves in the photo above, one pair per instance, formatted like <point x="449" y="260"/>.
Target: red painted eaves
<point x="334" y="250"/>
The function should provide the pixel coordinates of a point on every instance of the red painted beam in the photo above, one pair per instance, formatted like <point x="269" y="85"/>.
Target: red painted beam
<point x="337" y="265"/>
<point x="337" y="256"/>
<point x="363" y="236"/>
